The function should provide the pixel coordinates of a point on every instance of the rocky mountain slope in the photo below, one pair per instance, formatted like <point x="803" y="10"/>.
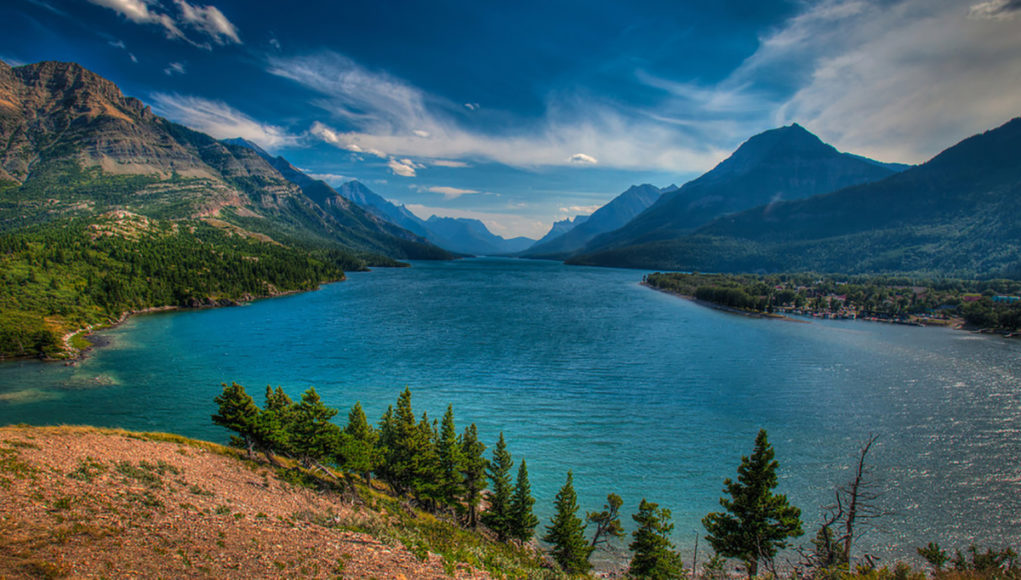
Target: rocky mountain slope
<point x="72" y="145"/>
<point x="615" y="214"/>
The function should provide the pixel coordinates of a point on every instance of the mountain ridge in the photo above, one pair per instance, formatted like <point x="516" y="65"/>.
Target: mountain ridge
<point x="957" y="214"/>
<point x="784" y="163"/>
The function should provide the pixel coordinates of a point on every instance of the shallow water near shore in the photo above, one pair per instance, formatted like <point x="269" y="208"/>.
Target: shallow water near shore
<point x="638" y="392"/>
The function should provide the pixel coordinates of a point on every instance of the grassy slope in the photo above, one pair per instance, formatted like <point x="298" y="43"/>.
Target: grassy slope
<point x="79" y="502"/>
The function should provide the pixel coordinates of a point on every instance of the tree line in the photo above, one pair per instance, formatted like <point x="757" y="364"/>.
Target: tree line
<point x="445" y="472"/>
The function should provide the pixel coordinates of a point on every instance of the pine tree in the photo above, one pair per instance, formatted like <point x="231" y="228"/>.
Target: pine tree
<point x="273" y="427"/>
<point x="401" y="442"/>
<point x="238" y="412"/>
<point x="473" y="467"/>
<point x="359" y="450"/>
<point x="425" y="480"/>
<point x="497" y="517"/>
<point x="522" y="520"/>
<point x="566" y="534"/>
<point x="654" y="555"/>
<point x="757" y="522"/>
<point x="607" y="521"/>
<point x="450" y="462"/>
<point x="314" y="437"/>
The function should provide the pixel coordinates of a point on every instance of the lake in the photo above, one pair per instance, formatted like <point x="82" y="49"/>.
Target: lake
<point x="638" y="392"/>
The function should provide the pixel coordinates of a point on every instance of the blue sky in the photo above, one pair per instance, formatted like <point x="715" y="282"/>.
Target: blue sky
<point x="522" y="113"/>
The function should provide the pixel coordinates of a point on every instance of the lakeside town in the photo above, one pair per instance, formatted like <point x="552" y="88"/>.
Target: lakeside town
<point x="984" y="306"/>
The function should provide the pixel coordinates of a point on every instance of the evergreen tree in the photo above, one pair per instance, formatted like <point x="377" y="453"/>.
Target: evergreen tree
<point x="314" y="437"/>
<point x="756" y="522"/>
<point x="473" y="467"/>
<point x="359" y="446"/>
<point x="654" y="555"/>
<point x="498" y="517"/>
<point x="426" y="474"/>
<point x="450" y="462"/>
<point x="238" y="412"/>
<point x="566" y="534"/>
<point x="273" y="428"/>
<point x="522" y="520"/>
<point x="607" y="521"/>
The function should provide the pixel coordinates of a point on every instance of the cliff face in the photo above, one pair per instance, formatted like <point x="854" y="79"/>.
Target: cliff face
<point x="72" y="144"/>
<point x="85" y="502"/>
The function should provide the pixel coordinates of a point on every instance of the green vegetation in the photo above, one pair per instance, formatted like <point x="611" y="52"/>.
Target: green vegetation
<point x="654" y="554"/>
<point x="985" y="304"/>
<point x="756" y="522"/>
<point x="566" y="534"/>
<point x="74" y="274"/>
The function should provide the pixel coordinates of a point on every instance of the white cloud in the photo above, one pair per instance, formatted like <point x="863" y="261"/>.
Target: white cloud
<point x="580" y="209"/>
<point x="582" y="159"/>
<point x="896" y="82"/>
<point x="449" y="163"/>
<point x="381" y="112"/>
<point x="451" y="192"/>
<point x="421" y="133"/>
<point x="472" y="106"/>
<point x="331" y="178"/>
<point x="117" y="44"/>
<point x="175" y="68"/>
<point x="207" y="20"/>
<point x="219" y="120"/>
<point x="995" y="10"/>
<point x="402" y="167"/>
<point x="274" y="43"/>
<point x="508" y="225"/>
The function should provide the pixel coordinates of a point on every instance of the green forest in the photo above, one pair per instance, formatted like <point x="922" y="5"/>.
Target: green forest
<point x="74" y="273"/>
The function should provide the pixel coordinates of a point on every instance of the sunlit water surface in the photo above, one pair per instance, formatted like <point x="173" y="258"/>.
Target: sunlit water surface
<point x="638" y="392"/>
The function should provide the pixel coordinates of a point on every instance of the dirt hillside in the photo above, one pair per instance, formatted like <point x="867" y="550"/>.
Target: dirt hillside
<point x="84" y="502"/>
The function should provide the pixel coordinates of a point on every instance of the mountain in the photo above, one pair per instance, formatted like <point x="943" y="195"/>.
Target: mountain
<point x="777" y="165"/>
<point x="618" y="212"/>
<point x="958" y="214"/>
<point x="562" y="227"/>
<point x="397" y="214"/>
<point x="71" y="144"/>
<point x="107" y="208"/>
<point x="471" y="236"/>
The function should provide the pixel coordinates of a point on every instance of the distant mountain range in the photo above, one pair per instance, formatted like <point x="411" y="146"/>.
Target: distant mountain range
<point x="458" y="235"/>
<point x="561" y="227"/>
<point x="72" y="145"/>
<point x="781" y="164"/>
<point x="959" y="214"/>
<point x="618" y="212"/>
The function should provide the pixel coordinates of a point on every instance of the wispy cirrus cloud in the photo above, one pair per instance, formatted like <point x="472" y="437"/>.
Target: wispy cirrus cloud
<point x="896" y="81"/>
<point x="220" y="120"/>
<point x="372" y="110"/>
<point x="451" y="192"/>
<point x="208" y="21"/>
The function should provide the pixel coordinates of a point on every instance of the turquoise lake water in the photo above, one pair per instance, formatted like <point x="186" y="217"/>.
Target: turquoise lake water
<point x="639" y="393"/>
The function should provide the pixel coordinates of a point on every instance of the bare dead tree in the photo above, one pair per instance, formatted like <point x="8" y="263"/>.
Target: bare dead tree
<point x="857" y="504"/>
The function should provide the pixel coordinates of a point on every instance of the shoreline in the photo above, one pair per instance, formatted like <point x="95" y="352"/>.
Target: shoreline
<point x="728" y="309"/>
<point x="76" y="355"/>
<point x="953" y="323"/>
